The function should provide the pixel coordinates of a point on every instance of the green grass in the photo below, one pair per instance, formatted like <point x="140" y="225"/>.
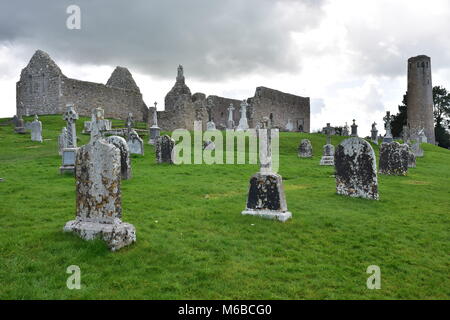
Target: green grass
<point x="193" y="243"/>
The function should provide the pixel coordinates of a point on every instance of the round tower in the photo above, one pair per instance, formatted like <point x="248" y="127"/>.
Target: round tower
<point x="420" y="97"/>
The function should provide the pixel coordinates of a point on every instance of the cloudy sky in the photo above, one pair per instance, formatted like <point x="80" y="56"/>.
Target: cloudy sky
<point x="348" y="56"/>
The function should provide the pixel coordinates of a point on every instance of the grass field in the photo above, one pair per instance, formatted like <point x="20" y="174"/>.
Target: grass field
<point x="193" y="243"/>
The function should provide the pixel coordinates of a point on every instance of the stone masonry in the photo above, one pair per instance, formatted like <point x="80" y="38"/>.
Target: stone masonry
<point x="44" y="89"/>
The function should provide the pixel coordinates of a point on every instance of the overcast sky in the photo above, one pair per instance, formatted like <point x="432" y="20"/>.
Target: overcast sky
<point x="348" y="56"/>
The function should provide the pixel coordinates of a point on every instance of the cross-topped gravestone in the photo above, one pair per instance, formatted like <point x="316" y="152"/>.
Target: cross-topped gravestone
<point x="328" y="130"/>
<point x="328" y="149"/>
<point x="230" y="123"/>
<point x="36" y="129"/>
<point x="243" y="124"/>
<point x="71" y="116"/>
<point x="154" y="130"/>
<point x="210" y="125"/>
<point x="387" y="126"/>
<point x="345" y="131"/>
<point x="129" y="122"/>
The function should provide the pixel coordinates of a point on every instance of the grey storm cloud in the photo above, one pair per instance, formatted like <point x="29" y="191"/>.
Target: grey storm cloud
<point x="213" y="39"/>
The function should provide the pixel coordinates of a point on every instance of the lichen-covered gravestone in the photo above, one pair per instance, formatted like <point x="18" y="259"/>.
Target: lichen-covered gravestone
<point x="36" y="130"/>
<point x="164" y="149"/>
<point x="356" y="169"/>
<point x="393" y="159"/>
<point x="125" y="162"/>
<point x="135" y="143"/>
<point x="99" y="204"/>
<point x="411" y="156"/>
<point x="266" y="196"/>
<point x="69" y="138"/>
<point x="305" y="149"/>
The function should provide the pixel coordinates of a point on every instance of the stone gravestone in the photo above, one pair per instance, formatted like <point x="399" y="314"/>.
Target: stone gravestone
<point x="387" y="126"/>
<point x="154" y="130"/>
<point x="289" y="125"/>
<point x="393" y="159"/>
<point x="356" y="169"/>
<point x="411" y="156"/>
<point x="70" y="150"/>
<point x="135" y="143"/>
<point x="243" y="124"/>
<point x="417" y="149"/>
<point x="36" y="129"/>
<point x="99" y="203"/>
<point x="15" y="121"/>
<point x="164" y="149"/>
<point x="328" y="149"/>
<point x="374" y="133"/>
<point x="266" y="196"/>
<point x="210" y="125"/>
<point x="345" y="131"/>
<point x="305" y="149"/>
<point x="62" y="140"/>
<point x="125" y="161"/>
<point x="230" y="123"/>
<point x="354" y="129"/>
<point x="129" y="122"/>
<point x="20" y="127"/>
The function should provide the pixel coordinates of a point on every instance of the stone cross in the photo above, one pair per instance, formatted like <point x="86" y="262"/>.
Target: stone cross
<point x="265" y="146"/>
<point x="387" y="125"/>
<point x="328" y="130"/>
<point x="230" y="112"/>
<point x="155" y="117"/>
<point x="71" y="116"/>
<point x="374" y="133"/>
<point x="345" y="130"/>
<point x="98" y="115"/>
<point x="129" y="122"/>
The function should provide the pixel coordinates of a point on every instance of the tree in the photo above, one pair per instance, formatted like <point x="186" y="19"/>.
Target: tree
<point x="441" y="110"/>
<point x="400" y="119"/>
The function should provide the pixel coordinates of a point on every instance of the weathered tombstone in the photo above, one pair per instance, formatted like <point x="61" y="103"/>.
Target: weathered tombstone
<point x="345" y="131"/>
<point x="356" y="169"/>
<point x="230" y="123"/>
<point x="411" y="156"/>
<point x="15" y="121"/>
<point x="328" y="149"/>
<point x="135" y="143"/>
<point x="20" y="127"/>
<point x="70" y="149"/>
<point x="129" y="122"/>
<point x="305" y="149"/>
<point x="243" y="124"/>
<point x="154" y="130"/>
<point x="36" y="129"/>
<point x="417" y="149"/>
<point x="354" y="129"/>
<point x="387" y="126"/>
<point x="99" y="203"/>
<point x="164" y="149"/>
<point x="210" y="125"/>
<point x="266" y="196"/>
<point x="393" y="159"/>
<point x="62" y="141"/>
<point x="105" y="124"/>
<point x="374" y="133"/>
<point x="125" y="161"/>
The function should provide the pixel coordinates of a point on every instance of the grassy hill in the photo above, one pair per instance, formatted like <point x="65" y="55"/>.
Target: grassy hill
<point x="193" y="243"/>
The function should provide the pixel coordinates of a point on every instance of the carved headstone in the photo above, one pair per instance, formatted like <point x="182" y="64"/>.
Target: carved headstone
<point x="411" y="156"/>
<point x="62" y="140"/>
<point x="354" y="129"/>
<point x="387" y="125"/>
<point x="164" y="149"/>
<point x="36" y="130"/>
<point x="243" y="124"/>
<point x="266" y="196"/>
<point x="20" y="127"/>
<point x="71" y="116"/>
<point x="356" y="169"/>
<point x="135" y="143"/>
<point x="305" y="149"/>
<point x="125" y="161"/>
<point x="328" y="149"/>
<point x="69" y="137"/>
<point x="99" y="203"/>
<point x="417" y="149"/>
<point x="154" y="130"/>
<point x="393" y="159"/>
<point x="230" y="122"/>
<point x="374" y="133"/>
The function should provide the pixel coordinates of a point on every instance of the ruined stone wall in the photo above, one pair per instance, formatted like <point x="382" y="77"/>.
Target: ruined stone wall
<point x="280" y="107"/>
<point x="44" y="89"/>
<point x="420" y="96"/>
<point x="219" y="111"/>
